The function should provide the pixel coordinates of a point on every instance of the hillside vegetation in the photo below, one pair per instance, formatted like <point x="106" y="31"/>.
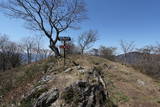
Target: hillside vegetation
<point x="147" y="63"/>
<point x="108" y="84"/>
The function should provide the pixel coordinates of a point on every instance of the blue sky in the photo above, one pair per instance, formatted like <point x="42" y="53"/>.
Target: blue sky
<point x="115" y="20"/>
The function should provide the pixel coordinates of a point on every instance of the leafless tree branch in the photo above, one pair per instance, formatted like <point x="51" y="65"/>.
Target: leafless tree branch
<point x="51" y="17"/>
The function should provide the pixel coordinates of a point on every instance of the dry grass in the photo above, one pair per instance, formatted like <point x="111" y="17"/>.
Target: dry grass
<point x="123" y="85"/>
<point x="121" y="81"/>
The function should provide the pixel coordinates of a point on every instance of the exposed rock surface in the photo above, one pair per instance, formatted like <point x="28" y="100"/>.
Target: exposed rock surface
<point x="1" y="98"/>
<point x="46" y="78"/>
<point x="46" y="99"/>
<point x="140" y="82"/>
<point x="34" y="85"/>
<point x="36" y="92"/>
<point x="68" y="70"/>
<point x="84" y="94"/>
<point x="87" y="92"/>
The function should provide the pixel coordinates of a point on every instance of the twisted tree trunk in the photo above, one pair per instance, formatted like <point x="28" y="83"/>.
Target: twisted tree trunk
<point x="54" y="48"/>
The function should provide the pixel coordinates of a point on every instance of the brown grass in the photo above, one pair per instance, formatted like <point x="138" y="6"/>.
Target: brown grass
<point x="121" y="80"/>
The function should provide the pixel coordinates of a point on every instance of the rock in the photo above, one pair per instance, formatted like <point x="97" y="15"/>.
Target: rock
<point x="46" y="99"/>
<point x="1" y="97"/>
<point x="13" y="105"/>
<point x="82" y="71"/>
<point x="76" y="64"/>
<point x="68" y="70"/>
<point x="84" y="94"/>
<point x="46" y="79"/>
<point x="50" y="69"/>
<point x="34" y="93"/>
<point x="140" y="82"/>
<point x="97" y="63"/>
<point x="96" y="72"/>
<point x="79" y="67"/>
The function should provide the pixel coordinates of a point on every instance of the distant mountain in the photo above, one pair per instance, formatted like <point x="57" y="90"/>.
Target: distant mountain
<point x="135" y="57"/>
<point x="146" y="63"/>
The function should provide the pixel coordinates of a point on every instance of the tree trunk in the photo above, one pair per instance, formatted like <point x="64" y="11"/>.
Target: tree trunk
<point x="4" y="64"/>
<point x="28" y="56"/>
<point x="82" y="51"/>
<point x="54" y="49"/>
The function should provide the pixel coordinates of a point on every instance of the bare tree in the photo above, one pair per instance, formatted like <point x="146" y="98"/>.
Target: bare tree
<point x="38" y="47"/>
<point x="157" y="48"/>
<point x="107" y="52"/>
<point x="10" y="53"/>
<point x="29" y="46"/>
<point x="44" y="53"/>
<point x="95" y="52"/>
<point x="39" y="51"/>
<point x="126" y="47"/>
<point x="14" y="54"/>
<point x="72" y="48"/>
<point x="147" y="60"/>
<point x="3" y="52"/>
<point x="86" y="39"/>
<point x="149" y="49"/>
<point x="51" y="17"/>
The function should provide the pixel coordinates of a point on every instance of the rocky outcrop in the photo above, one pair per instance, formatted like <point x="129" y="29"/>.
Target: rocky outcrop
<point x="84" y="94"/>
<point x="35" y="93"/>
<point x="46" y="99"/>
<point x="46" y="79"/>
<point x="89" y="92"/>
